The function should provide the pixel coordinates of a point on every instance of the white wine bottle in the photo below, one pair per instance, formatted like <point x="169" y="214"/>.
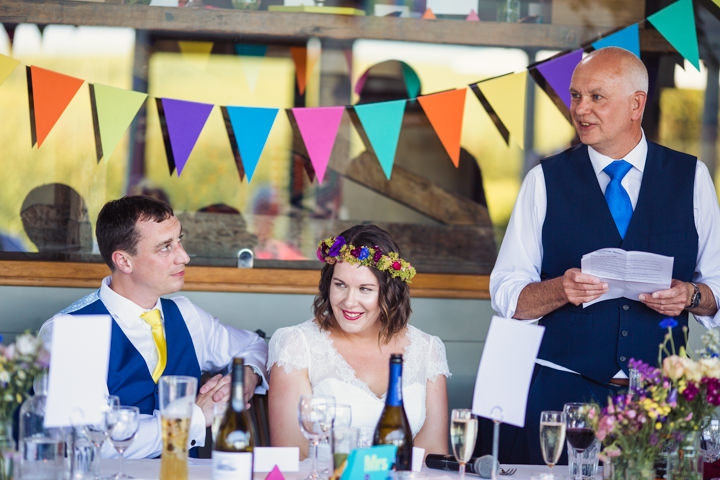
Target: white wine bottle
<point x="232" y="457"/>
<point x="393" y="427"/>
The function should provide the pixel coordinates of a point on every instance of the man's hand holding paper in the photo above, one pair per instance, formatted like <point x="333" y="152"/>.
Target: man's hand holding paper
<point x="632" y="275"/>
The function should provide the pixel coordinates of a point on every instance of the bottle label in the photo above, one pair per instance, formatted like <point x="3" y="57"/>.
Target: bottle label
<point x="394" y="394"/>
<point x="231" y="465"/>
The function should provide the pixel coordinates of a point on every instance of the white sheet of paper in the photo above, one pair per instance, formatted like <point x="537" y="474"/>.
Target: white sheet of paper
<point x="287" y="459"/>
<point x="418" y="456"/>
<point x="506" y="366"/>
<point x="77" y="383"/>
<point x="452" y="7"/>
<point x="628" y="274"/>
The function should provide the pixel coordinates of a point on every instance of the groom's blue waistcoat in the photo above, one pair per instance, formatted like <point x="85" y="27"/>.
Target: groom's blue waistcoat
<point x="597" y="341"/>
<point x="128" y="374"/>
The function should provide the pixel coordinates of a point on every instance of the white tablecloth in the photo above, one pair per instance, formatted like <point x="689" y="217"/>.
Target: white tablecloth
<point x="199" y="469"/>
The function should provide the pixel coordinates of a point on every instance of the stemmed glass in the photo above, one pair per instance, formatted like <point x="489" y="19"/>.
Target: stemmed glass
<point x="97" y="433"/>
<point x="342" y="434"/>
<point x="315" y="416"/>
<point x="463" y="431"/>
<point x="552" y="436"/>
<point x="579" y="432"/>
<point x="122" y="422"/>
<point x="710" y="440"/>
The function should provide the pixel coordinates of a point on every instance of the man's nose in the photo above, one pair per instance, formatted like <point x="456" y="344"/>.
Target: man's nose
<point x="182" y="256"/>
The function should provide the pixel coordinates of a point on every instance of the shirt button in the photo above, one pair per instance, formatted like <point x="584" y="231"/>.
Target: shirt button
<point x="624" y="333"/>
<point x="623" y="358"/>
<point x="192" y="442"/>
<point x="626" y="307"/>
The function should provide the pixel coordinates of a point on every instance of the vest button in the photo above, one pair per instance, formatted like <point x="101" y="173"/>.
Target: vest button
<point x="626" y="307"/>
<point x="623" y="358"/>
<point x="192" y="442"/>
<point x="624" y="333"/>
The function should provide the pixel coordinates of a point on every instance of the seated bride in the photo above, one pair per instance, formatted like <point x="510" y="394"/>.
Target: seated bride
<point x="360" y="317"/>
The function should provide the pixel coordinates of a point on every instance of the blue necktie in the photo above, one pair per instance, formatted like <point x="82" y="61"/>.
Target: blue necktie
<point x="617" y="198"/>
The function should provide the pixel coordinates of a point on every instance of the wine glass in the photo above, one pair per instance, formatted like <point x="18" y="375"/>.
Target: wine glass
<point x="342" y="434"/>
<point x="580" y="437"/>
<point x="97" y="433"/>
<point x="219" y="410"/>
<point x="315" y="416"/>
<point x="122" y="423"/>
<point x="463" y="431"/>
<point x="552" y="436"/>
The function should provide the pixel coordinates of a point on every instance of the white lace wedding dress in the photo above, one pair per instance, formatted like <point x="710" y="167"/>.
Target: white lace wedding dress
<point x="306" y="346"/>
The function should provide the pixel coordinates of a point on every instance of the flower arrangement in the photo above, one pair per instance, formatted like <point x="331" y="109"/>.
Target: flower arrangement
<point x="670" y="403"/>
<point x="20" y="362"/>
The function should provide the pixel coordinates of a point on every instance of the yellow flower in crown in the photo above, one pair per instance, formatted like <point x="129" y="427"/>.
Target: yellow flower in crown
<point x="336" y="249"/>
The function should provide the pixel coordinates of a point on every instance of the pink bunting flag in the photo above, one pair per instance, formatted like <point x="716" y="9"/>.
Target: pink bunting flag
<point x="185" y="120"/>
<point x="472" y="17"/>
<point x="275" y="474"/>
<point x="318" y="128"/>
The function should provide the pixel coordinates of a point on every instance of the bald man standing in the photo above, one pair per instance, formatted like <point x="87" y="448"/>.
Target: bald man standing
<point x="615" y="189"/>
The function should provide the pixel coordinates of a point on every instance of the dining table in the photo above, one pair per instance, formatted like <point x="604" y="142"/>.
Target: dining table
<point x="201" y="469"/>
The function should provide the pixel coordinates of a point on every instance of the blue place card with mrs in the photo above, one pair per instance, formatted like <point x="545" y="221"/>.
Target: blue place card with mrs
<point x="371" y="463"/>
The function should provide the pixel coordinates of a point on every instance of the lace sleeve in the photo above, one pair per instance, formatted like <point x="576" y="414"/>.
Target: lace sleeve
<point x="437" y="359"/>
<point x="289" y="349"/>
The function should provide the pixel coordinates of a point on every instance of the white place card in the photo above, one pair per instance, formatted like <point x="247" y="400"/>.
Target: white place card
<point x="418" y="456"/>
<point x="287" y="459"/>
<point x="77" y="383"/>
<point x="505" y="370"/>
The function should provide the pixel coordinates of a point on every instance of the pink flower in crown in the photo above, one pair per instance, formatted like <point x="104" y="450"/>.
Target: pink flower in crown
<point x="396" y="266"/>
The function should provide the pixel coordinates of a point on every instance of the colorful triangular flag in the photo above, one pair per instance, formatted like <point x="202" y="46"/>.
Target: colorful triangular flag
<point x="506" y="94"/>
<point x="250" y="50"/>
<point x="472" y="17"/>
<point x="7" y="65"/>
<point x="195" y="48"/>
<point x="558" y="73"/>
<point x="251" y="127"/>
<point x="676" y="23"/>
<point x="51" y="93"/>
<point x="184" y="120"/>
<point x="382" y="122"/>
<point x="299" y="56"/>
<point x="251" y="68"/>
<point x="318" y="128"/>
<point x="113" y="110"/>
<point x="445" y="111"/>
<point x="429" y="15"/>
<point x="412" y="81"/>
<point x="627" y="38"/>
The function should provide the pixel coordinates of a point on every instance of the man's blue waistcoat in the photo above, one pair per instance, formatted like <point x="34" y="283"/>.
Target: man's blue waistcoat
<point x="128" y="374"/>
<point x="597" y="341"/>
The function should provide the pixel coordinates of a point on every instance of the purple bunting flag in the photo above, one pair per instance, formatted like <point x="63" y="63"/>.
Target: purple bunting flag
<point x="558" y="73"/>
<point x="185" y="120"/>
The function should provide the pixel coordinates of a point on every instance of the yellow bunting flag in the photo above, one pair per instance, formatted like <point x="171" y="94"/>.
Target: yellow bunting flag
<point x="445" y="111"/>
<point x="7" y="65"/>
<point x="195" y="48"/>
<point x="113" y="110"/>
<point x="506" y="95"/>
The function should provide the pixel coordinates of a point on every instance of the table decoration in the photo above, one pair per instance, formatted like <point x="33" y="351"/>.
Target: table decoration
<point x="20" y="362"/>
<point x="658" y="423"/>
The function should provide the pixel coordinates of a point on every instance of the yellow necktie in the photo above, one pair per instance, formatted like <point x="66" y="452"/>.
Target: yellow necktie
<point x="153" y="319"/>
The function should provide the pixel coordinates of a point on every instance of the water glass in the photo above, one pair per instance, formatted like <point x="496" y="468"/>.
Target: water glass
<point x="123" y="423"/>
<point x="219" y="410"/>
<point x="316" y="414"/>
<point x="344" y="439"/>
<point x="710" y="440"/>
<point x="97" y="433"/>
<point x="177" y="396"/>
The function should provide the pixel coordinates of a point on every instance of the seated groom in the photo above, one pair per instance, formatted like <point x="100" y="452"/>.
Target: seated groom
<point x="140" y="240"/>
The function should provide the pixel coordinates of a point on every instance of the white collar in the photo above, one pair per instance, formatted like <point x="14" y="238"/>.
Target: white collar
<point x="117" y="304"/>
<point x="636" y="157"/>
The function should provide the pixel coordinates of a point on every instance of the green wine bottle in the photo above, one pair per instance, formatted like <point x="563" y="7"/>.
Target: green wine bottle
<point x="393" y="427"/>
<point x="232" y="457"/>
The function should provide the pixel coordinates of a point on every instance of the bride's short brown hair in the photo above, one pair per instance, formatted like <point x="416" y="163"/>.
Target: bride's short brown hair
<point x="394" y="293"/>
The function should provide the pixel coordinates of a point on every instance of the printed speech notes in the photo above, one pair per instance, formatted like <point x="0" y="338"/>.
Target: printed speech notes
<point x="628" y="274"/>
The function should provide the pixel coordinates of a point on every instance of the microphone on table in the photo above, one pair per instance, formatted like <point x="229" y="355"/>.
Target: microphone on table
<point x="478" y="465"/>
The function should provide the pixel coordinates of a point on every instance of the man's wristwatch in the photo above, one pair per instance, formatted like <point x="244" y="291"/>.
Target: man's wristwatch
<point x="695" y="299"/>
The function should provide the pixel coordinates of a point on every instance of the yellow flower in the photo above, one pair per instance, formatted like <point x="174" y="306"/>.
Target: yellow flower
<point x="710" y="367"/>
<point x="658" y="426"/>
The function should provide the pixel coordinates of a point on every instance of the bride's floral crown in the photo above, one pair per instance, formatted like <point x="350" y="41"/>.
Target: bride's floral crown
<point x="336" y="249"/>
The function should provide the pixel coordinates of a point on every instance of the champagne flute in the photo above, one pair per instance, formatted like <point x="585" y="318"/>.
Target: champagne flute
<point x="463" y="432"/>
<point x="552" y="436"/>
<point x="123" y="423"/>
<point x="315" y="416"/>
<point x="97" y="433"/>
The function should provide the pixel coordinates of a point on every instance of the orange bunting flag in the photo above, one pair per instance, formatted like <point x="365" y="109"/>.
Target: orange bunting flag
<point x="50" y="94"/>
<point x="445" y="111"/>
<point x="429" y="15"/>
<point x="299" y="56"/>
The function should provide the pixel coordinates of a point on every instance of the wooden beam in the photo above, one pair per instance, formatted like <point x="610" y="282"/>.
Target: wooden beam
<point x="283" y="27"/>
<point x="228" y="279"/>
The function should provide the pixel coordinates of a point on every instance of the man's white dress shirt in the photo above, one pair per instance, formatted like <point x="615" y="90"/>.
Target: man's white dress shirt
<point x="520" y="257"/>
<point x="215" y="346"/>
